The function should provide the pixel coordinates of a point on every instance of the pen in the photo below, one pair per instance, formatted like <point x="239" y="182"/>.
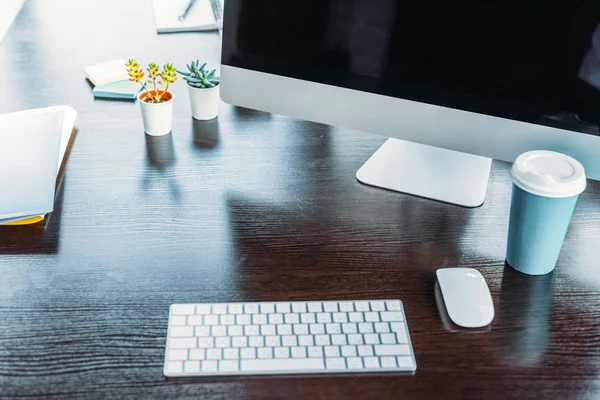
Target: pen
<point x="187" y="10"/>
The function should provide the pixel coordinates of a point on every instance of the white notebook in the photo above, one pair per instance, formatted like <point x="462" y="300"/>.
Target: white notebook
<point x="201" y="16"/>
<point x="32" y="146"/>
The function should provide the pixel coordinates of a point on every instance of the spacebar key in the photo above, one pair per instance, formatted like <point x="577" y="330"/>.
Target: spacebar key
<point x="285" y="364"/>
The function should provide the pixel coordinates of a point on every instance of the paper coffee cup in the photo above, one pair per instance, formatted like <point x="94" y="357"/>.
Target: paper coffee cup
<point x="546" y="186"/>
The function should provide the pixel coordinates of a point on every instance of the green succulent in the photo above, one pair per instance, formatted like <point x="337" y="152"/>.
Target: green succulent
<point x="200" y="77"/>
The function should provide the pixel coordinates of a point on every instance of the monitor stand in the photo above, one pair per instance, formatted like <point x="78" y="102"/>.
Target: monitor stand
<point x="426" y="171"/>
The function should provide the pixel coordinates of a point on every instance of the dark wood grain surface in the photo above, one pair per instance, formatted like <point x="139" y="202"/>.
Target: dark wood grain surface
<point x="253" y="207"/>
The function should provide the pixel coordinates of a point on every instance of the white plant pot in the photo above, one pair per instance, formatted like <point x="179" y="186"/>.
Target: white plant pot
<point x="157" y="117"/>
<point x="205" y="102"/>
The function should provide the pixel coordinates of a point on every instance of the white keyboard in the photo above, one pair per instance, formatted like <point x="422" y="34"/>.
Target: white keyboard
<point x="287" y="338"/>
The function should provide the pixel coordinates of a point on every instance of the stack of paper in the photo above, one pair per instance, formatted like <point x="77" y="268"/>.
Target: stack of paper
<point x="111" y="81"/>
<point x="201" y="16"/>
<point x="33" y="144"/>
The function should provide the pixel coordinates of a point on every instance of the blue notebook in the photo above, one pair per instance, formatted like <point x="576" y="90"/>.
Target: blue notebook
<point x="126" y="90"/>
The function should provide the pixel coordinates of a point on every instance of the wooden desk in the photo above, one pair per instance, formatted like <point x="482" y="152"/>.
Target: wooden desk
<point x="253" y="207"/>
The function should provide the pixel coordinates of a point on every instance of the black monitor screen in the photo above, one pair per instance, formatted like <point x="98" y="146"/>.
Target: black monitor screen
<point x="534" y="61"/>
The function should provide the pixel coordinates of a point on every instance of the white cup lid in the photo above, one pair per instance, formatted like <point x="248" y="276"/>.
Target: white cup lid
<point x="549" y="174"/>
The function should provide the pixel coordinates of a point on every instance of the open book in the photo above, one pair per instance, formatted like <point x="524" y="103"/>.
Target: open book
<point x="33" y="144"/>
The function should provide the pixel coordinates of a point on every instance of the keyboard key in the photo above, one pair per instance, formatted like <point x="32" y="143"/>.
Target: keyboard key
<point x="178" y="355"/>
<point x="355" y="317"/>
<point x="236" y="309"/>
<point x="251" y="308"/>
<point x="282" y="352"/>
<point x="314" y="307"/>
<point x="272" y="341"/>
<point x="382" y="327"/>
<point x="182" y="343"/>
<point x="284" y="329"/>
<point x="191" y="366"/>
<point x="174" y="367"/>
<point x="371" y="338"/>
<point x="214" y="354"/>
<point x="377" y="306"/>
<point x="267" y="308"/>
<point x="231" y="354"/>
<point x="355" y="339"/>
<point x="248" y="353"/>
<point x="361" y="306"/>
<point x="235" y="330"/>
<point x="372" y="316"/>
<point x="291" y="318"/>
<point x="388" y="362"/>
<point x="371" y="362"/>
<point x="209" y="366"/>
<point x="308" y="318"/>
<point x="338" y="339"/>
<point x="301" y="329"/>
<point x="197" y="354"/>
<point x="349" y="351"/>
<point x="388" y="338"/>
<point x="259" y="319"/>
<point x="322" y="340"/>
<point x="305" y="340"/>
<point x="239" y="341"/>
<point x="340" y="317"/>
<point x="182" y="309"/>
<point x="178" y="320"/>
<point x="252" y="330"/>
<point x="283" y="308"/>
<point x="315" y="351"/>
<point x="349" y="327"/>
<point x="182" y="331"/>
<point x="333" y="328"/>
<point x="219" y="309"/>
<point x="298" y="352"/>
<point x="391" y="316"/>
<point x="365" y="350"/>
<point x="330" y="307"/>
<point x="400" y="329"/>
<point x="346" y="306"/>
<point x="289" y="341"/>
<point x="202" y="331"/>
<point x="228" y="366"/>
<point x="224" y="341"/>
<point x="405" y="362"/>
<point x="256" y="341"/>
<point x="393" y="305"/>
<point x="392" y="350"/>
<point x="299" y="307"/>
<point x="219" y="330"/>
<point x="354" y="363"/>
<point x="276" y="319"/>
<point x="265" y="352"/>
<point x="205" y="342"/>
<point x="303" y="364"/>
<point x="335" y="363"/>
<point x="317" y="329"/>
<point x="332" y="351"/>
<point x="266" y="330"/>
<point x="195" y="320"/>
<point x="202" y="309"/>
<point x="324" y="318"/>
<point x="211" y="320"/>
<point x="365" y="327"/>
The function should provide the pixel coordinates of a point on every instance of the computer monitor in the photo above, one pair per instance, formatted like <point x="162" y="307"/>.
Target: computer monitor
<point x="453" y="84"/>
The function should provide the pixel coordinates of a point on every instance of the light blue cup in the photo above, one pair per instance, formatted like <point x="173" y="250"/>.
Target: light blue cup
<point x="546" y="186"/>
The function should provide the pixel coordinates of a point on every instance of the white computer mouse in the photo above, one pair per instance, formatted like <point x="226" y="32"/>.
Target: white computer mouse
<point x="467" y="297"/>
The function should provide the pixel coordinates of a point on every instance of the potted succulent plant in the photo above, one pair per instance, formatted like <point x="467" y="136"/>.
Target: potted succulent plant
<point x="156" y="103"/>
<point x="203" y="87"/>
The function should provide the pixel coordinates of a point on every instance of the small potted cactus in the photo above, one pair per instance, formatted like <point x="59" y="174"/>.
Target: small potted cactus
<point x="203" y="87"/>
<point x="156" y="103"/>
